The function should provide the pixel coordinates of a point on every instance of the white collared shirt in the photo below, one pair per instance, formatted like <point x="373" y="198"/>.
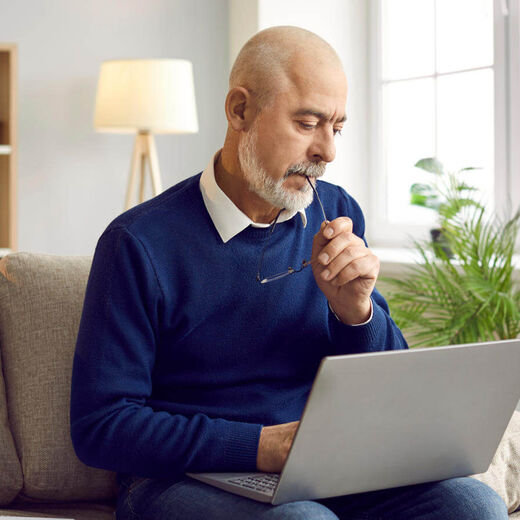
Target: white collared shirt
<point x="227" y="218"/>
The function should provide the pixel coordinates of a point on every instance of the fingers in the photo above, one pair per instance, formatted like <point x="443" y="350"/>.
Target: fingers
<point x="329" y="230"/>
<point x="350" y="257"/>
<point x="338" y="226"/>
<point x="344" y="256"/>
<point x="344" y="269"/>
<point x="347" y="243"/>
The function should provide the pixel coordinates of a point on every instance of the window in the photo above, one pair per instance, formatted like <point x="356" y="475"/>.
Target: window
<point x="426" y="77"/>
<point x="438" y="89"/>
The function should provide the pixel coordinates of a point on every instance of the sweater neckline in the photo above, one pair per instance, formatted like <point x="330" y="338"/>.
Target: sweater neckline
<point x="259" y="233"/>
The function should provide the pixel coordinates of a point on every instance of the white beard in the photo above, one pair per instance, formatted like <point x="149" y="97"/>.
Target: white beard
<point x="268" y="189"/>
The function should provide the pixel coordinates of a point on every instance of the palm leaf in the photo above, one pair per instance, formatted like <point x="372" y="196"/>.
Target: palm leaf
<point x="470" y="297"/>
<point x="430" y="164"/>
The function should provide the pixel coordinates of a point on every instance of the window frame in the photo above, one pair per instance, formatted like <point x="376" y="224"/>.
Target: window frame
<point x="382" y="233"/>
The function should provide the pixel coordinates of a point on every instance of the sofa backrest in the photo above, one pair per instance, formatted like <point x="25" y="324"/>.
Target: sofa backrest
<point x="11" y="480"/>
<point x="41" y="300"/>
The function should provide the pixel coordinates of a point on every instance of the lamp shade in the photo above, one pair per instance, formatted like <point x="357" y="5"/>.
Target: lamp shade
<point x="146" y="95"/>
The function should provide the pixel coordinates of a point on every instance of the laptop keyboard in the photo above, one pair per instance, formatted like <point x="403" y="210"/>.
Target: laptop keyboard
<point x="265" y="483"/>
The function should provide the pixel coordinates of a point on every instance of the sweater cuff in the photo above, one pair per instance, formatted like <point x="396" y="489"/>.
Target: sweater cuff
<point x="241" y="446"/>
<point x="356" y="324"/>
<point x="363" y="338"/>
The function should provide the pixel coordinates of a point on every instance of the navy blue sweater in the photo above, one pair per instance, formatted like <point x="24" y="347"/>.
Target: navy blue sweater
<point x="182" y="356"/>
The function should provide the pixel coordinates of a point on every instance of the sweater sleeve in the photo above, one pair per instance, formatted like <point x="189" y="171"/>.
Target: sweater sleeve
<point x="111" y="425"/>
<point x="380" y="333"/>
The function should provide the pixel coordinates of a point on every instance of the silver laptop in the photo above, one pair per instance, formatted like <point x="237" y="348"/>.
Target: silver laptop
<point x="387" y="419"/>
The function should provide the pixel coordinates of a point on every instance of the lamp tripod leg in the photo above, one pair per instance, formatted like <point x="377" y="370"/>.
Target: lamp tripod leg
<point x="143" y="176"/>
<point x="154" y="164"/>
<point x="133" y="172"/>
<point x="144" y="152"/>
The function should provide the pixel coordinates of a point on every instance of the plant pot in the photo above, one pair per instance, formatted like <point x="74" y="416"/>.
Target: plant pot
<point x="440" y="244"/>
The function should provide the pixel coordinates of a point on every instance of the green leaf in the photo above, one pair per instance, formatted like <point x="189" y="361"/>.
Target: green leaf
<point x="449" y="210"/>
<point x="470" y="168"/>
<point x="430" y="164"/>
<point x="465" y="187"/>
<point x="422" y="189"/>
<point x="471" y="297"/>
<point x="419" y="200"/>
<point x="425" y="196"/>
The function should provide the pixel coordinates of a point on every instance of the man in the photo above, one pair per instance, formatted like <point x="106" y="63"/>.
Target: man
<point x="186" y="361"/>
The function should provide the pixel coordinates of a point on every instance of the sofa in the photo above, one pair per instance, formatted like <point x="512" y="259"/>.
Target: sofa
<point x="41" y="298"/>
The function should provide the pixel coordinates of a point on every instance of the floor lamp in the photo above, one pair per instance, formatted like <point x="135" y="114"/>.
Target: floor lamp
<point x="145" y="97"/>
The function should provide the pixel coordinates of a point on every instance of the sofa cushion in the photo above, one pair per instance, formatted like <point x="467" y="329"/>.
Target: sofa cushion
<point x="77" y="511"/>
<point x="503" y="474"/>
<point x="11" y="480"/>
<point x="41" y="299"/>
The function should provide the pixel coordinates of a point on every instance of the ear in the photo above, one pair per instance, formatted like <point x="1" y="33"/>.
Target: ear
<point x="240" y="108"/>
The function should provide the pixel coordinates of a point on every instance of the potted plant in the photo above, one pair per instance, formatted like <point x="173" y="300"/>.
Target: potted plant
<point x="447" y="193"/>
<point x="471" y="294"/>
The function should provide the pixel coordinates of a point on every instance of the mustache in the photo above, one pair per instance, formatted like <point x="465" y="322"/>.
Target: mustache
<point x="310" y="169"/>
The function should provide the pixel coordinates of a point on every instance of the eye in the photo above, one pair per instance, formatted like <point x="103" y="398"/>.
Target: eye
<point x="337" y="131"/>
<point x="307" y="126"/>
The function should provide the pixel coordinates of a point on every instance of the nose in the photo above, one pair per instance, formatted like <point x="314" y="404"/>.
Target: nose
<point x="323" y="147"/>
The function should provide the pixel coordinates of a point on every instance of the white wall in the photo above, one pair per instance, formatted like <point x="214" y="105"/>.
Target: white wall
<point x="72" y="180"/>
<point x="243" y="23"/>
<point x="514" y="57"/>
<point x="344" y="24"/>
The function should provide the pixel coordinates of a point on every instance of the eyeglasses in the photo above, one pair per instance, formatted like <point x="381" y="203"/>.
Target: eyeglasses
<point x="290" y="270"/>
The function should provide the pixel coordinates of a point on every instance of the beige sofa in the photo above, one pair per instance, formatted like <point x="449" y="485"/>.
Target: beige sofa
<point x="41" y="298"/>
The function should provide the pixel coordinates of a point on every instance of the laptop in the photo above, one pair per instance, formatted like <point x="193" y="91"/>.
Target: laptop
<point x="387" y="419"/>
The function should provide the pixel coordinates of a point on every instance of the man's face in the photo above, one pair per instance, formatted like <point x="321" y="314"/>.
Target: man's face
<point x="294" y="136"/>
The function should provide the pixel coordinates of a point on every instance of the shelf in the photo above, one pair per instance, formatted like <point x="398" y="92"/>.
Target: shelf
<point x="8" y="146"/>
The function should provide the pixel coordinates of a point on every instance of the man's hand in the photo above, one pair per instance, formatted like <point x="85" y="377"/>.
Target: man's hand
<point x="345" y="270"/>
<point x="273" y="448"/>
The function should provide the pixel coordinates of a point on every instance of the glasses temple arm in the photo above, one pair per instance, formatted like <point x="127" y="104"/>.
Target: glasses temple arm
<point x="318" y="197"/>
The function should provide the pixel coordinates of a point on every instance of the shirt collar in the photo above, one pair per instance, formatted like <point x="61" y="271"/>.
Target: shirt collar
<point x="226" y="217"/>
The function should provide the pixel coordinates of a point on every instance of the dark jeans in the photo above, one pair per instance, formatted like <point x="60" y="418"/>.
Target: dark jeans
<point x="453" y="499"/>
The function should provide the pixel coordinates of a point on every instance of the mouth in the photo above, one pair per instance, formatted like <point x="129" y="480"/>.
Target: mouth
<point x="302" y="175"/>
<point x="306" y="170"/>
<point x="293" y="173"/>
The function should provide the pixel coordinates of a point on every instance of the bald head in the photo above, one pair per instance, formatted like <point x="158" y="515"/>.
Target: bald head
<point x="266" y="63"/>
